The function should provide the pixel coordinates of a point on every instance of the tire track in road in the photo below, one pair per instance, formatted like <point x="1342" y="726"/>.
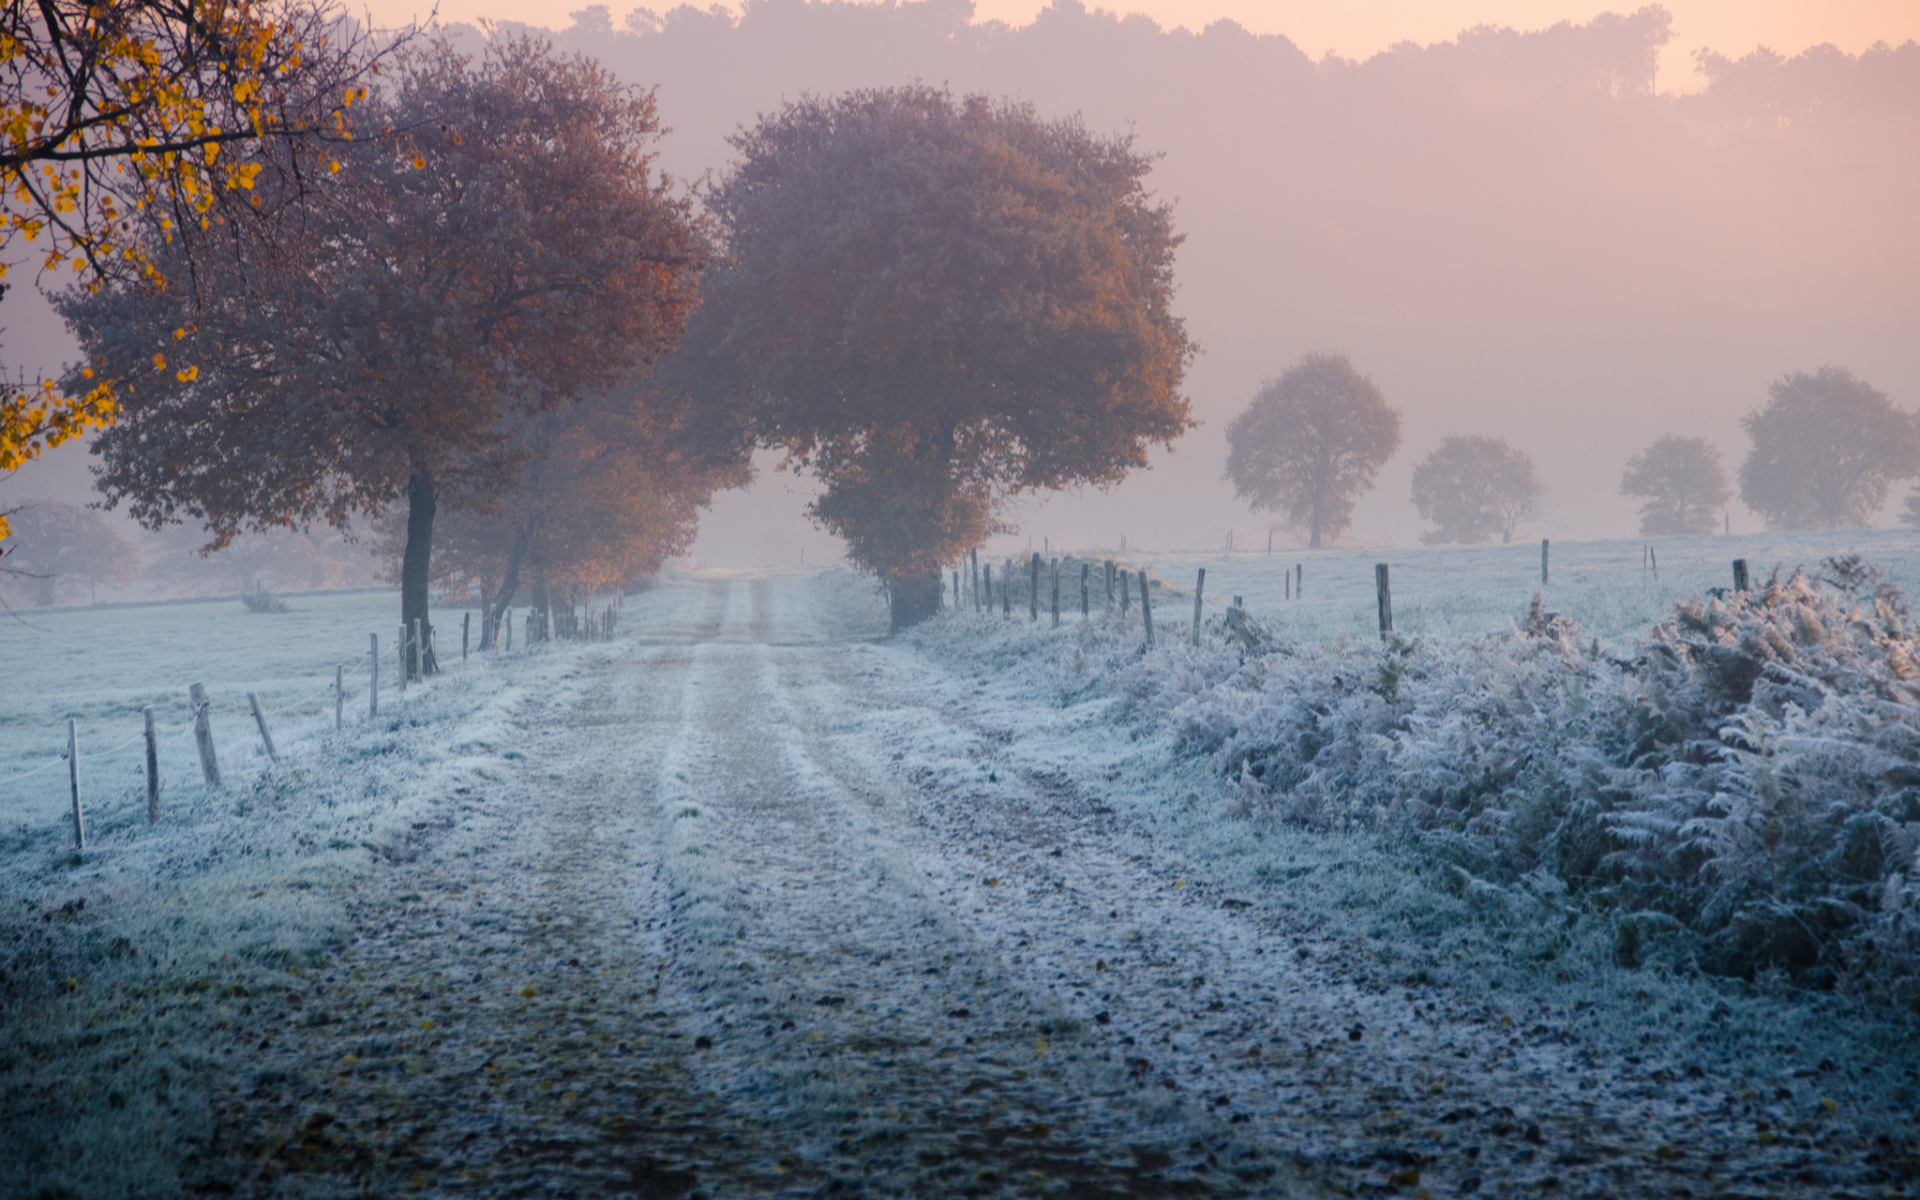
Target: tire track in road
<point x="494" y="1028"/>
<point x="836" y="994"/>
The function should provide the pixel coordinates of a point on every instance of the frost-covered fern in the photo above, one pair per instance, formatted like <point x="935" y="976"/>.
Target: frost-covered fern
<point x="1749" y="777"/>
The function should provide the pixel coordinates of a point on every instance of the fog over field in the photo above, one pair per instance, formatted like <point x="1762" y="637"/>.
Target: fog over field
<point x="1508" y="231"/>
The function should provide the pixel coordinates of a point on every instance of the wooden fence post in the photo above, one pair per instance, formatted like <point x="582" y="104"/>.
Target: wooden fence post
<point x="1384" y="594"/>
<point x="1106" y="590"/>
<point x="260" y="719"/>
<point x="373" y="678"/>
<point x="1269" y="541"/>
<point x="1739" y="574"/>
<point x="1056" y="593"/>
<point x="203" y="735"/>
<point x="1086" y="589"/>
<point x="1299" y="580"/>
<point x="1146" y="609"/>
<point x="466" y="621"/>
<point x="1006" y="589"/>
<point x="1126" y="593"/>
<point x="153" y="767"/>
<point x="1654" y="557"/>
<point x="1199" y="592"/>
<point x="73" y="779"/>
<point x="1543" y="562"/>
<point x="1286" y="582"/>
<point x="986" y="580"/>
<point x="973" y="563"/>
<point x="1033" y="592"/>
<point x="339" y="695"/>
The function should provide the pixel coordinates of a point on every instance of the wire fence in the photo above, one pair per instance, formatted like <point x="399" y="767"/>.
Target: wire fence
<point x="359" y="684"/>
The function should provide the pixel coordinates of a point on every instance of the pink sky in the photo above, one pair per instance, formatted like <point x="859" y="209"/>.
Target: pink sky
<point x="1363" y="27"/>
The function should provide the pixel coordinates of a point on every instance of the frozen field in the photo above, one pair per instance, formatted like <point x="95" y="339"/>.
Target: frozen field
<point x="1457" y="591"/>
<point x="755" y="901"/>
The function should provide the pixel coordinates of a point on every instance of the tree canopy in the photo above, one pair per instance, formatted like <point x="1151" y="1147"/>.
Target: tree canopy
<point x="933" y="303"/>
<point x="1311" y="443"/>
<point x="1826" y="448"/>
<point x="1474" y="487"/>
<point x="1682" y="485"/>
<point x="508" y="248"/>
<point x="122" y="118"/>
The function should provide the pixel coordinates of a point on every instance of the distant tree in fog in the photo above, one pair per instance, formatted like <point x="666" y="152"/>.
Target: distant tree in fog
<point x="1682" y="484"/>
<point x="1310" y="444"/>
<point x="933" y="303"/>
<point x="505" y="247"/>
<point x="611" y="488"/>
<point x="1472" y="488"/>
<point x="1826" y="447"/>
<point x="56" y="549"/>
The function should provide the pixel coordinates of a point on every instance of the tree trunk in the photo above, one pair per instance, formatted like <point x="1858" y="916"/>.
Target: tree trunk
<point x="912" y="599"/>
<point x="509" y="583"/>
<point x="413" y="563"/>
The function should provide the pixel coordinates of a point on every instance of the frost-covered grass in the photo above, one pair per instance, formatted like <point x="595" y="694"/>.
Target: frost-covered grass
<point x="127" y="969"/>
<point x="1699" y="854"/>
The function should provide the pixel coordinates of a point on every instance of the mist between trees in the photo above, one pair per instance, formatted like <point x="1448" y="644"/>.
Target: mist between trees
<point x="456" y="289"/>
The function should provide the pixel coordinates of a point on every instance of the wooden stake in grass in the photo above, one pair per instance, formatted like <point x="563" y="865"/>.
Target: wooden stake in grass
<point x="1299" y="580"/>
<point x="1126" y="594"/>
<point x="1739" y="574"/>
<point x="339" y="695"/>
<point x="73" y="778"/>
<point x="203" y="734"/>
<point x="1033" y="592"/>
<point x="466" y="620"/>
<point x="260" y="719"/>
<point x="153" y="768"/>
<point x="1199" y="590"/>
<point x="973" y="558"/>
<point x="1086" y="589"/>
<point x="1146" y="609"/>
<point x="1384" y="594"/>
<point x="373" y="681"/>
<point x="1056" y="593"/>
<point x="1543" y="562"/>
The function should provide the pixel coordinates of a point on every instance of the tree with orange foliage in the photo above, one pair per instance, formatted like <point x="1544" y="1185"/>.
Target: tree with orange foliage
<point x="121" y="116"/>
<point x="506" y="248"/>
<point x="612" y="488"/>
<point x="934" y="304"/>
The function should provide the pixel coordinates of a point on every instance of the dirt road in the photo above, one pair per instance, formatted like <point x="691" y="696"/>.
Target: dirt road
<point x="763" y="905"/>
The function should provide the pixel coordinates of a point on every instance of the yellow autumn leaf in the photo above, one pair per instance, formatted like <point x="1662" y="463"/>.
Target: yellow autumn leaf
<point x="159" y="362"/>
<point x="526" y="993"/>
<point x="427" y="1024"/>
<point x="187" y="374"/>
<point x="419" y="162"/>
<point x="333" y="167"/>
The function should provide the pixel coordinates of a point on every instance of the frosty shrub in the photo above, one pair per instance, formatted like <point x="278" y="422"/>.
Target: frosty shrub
<point x="1743" y="790"/>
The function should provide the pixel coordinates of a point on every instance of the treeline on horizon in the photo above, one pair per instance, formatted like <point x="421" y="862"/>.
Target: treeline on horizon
<point x="1512" y="231"/>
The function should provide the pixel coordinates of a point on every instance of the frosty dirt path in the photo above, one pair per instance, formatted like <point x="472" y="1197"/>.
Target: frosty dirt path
<point x="759" y="915"/>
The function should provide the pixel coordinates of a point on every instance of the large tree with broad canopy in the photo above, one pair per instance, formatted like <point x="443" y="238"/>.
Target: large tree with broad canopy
<point x="933" y="303"/>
